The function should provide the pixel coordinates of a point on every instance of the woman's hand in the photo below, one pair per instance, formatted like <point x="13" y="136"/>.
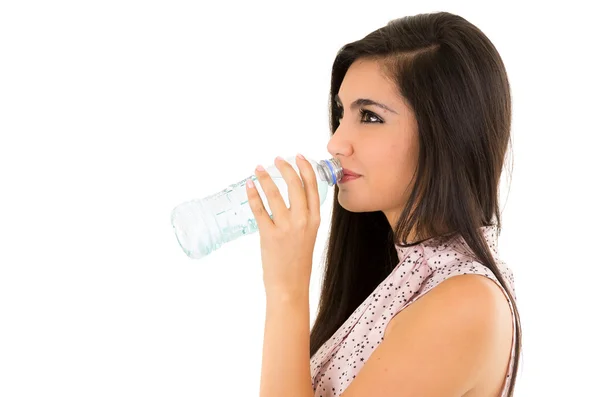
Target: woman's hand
<point x="288" y="239"/>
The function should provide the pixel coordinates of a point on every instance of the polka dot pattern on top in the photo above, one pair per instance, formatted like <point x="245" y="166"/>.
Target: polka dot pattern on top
<point x="420" y="268"/>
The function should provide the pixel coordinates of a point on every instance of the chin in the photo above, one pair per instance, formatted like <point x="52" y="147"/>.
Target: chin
<point x="352" y="204"/>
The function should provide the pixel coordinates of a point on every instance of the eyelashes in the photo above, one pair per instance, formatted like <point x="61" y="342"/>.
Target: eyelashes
<point x="339" y="112"/>
<point x="367" y="113"/>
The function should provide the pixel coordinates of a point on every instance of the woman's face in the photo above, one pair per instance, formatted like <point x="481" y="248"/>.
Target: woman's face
<point x="381" y="145"/>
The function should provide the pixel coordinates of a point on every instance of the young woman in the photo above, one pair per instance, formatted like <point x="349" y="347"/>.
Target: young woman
<point x="415" y="300"/>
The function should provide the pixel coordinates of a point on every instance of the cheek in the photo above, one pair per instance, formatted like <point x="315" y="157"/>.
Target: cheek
<point x="392" y="185"/>
<point x="397" y="162"/>
<point x="396" y="169"/>
<point x="404" y="156"/>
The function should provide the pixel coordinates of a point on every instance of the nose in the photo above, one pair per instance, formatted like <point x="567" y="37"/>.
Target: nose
<point x="339" y="145"/>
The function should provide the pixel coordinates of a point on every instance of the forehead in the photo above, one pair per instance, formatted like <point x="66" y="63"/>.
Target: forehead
<point x="365" y="78"/>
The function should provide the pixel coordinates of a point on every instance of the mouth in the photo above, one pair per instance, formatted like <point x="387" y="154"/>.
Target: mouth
<point x="350" y="173"/>
<point x="349" y="177"/>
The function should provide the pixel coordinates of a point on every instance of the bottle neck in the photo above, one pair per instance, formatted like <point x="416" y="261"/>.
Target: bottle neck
<point x="331" y="171"/>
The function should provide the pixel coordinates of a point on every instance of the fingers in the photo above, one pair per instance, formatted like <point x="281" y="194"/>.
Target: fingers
<point x="296" y="193"/>
<point x="303" y="199"/>
<point x="259" y="211"/>
<point x="310" y="186"/>
<point x="274" y="198"/>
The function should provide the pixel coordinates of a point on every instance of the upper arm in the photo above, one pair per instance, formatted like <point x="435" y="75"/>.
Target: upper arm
<point x="437" y="346"/>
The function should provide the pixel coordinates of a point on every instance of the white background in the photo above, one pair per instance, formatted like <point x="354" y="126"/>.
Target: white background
<point x="114" y="112"/>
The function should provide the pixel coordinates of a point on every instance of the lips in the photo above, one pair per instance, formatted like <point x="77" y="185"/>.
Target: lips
<point x="350" y="173"/>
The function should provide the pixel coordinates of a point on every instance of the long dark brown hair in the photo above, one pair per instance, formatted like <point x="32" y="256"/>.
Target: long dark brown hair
<point x="455" y="82"/>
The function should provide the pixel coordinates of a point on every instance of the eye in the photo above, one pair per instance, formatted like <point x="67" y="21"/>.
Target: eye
<point x="370" y="116"/>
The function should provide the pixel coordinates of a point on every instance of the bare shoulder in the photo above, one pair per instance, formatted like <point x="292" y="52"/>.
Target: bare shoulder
<point x="453" y="341"/>
<point x="470" y="299"/>
<point x="475" y="317"/>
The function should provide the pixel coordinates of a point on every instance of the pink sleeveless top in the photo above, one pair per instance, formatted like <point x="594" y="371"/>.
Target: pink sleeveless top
<point x="421" y="268"/>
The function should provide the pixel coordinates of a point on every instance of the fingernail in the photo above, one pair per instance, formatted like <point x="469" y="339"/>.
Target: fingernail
<point x="278" y="158"/>
<point x="260" y="168"/>
<point x="300" y="156"/>
<point x="249" y="183"/>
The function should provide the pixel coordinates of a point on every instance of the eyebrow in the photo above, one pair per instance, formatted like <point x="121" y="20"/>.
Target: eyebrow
<point x="365" y="102"/>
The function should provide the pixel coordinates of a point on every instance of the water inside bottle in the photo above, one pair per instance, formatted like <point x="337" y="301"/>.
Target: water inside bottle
<point x="202" y="226"/>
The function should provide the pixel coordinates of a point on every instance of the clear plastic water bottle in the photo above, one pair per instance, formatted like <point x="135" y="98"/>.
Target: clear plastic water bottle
<point x="204" y="225"/>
